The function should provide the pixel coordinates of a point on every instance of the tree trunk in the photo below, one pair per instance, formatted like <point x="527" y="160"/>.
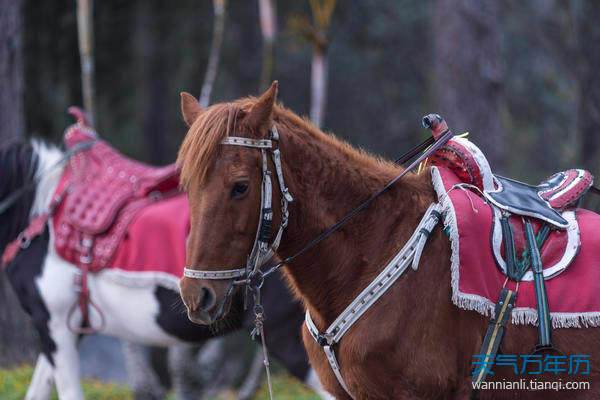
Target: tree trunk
<point x="18" y="342"/>
<point x="12" y="122"/>
<point x="468" y="72"/>
<point x="318" y="85"/>
<point x="588" y="117"/>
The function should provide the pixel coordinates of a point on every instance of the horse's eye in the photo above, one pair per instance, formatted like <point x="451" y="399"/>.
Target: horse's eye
<point x="239" y="189"/>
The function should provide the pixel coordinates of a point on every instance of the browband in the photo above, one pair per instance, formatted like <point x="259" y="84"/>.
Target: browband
<point x="246" y="142"/>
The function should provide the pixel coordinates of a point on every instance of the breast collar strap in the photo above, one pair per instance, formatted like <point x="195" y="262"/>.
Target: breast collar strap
<point x="409" y="255"/>
<point x="262" y="251"/>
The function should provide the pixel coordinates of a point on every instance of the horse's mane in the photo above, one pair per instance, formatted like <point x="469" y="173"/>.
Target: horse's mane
<point x="201" y="143"/>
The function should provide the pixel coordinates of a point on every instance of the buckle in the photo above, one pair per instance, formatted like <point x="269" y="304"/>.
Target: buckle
<point x="322" y="340"/>
<point x="255" y="279"/>
<point x="24" y="240"/>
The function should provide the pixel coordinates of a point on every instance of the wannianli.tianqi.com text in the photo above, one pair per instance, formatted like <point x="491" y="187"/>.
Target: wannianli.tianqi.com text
<point x="531" y="384"/>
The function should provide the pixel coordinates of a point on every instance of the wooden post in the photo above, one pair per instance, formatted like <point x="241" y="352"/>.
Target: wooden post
<point x="85" y="30"/>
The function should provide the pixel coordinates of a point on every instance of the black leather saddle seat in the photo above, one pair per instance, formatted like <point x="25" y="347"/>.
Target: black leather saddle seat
<point x="545" y="201"/>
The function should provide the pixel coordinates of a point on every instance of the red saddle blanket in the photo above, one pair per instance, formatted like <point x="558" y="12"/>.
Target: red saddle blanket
<point x="155" y="240"/>
<point x="571" y="260"/>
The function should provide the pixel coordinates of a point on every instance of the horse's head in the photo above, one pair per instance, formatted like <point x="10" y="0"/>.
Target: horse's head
<point x="224" y="184"/>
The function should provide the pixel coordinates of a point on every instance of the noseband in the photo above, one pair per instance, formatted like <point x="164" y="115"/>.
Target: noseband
<point x="262" y="251"/>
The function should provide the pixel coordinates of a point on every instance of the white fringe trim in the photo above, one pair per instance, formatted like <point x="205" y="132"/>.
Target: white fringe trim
<point x="484" y="306"/>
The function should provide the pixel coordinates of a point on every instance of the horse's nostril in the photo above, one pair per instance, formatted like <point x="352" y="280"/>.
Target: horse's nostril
<point x="207" y="299"/>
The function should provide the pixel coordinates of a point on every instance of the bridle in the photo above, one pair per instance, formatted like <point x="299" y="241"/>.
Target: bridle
<point x="262" y="252"/>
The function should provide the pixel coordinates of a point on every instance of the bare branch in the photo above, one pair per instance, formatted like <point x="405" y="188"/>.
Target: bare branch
<point x="85" y="30"/>
<point x="215" y="52"/>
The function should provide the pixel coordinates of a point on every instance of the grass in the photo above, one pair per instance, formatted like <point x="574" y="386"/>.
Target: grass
<point x="14" y="383"/>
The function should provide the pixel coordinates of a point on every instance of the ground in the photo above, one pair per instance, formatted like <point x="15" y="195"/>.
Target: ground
<point x="14" y="382"/>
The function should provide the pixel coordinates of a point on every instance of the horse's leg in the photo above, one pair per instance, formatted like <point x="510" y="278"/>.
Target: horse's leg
<point x="58" y="294"/>
<point x="42" y="381"/>
<point x="141" y="377"/>
<point x="183" y="366"/>
<point x="66" y="364"/>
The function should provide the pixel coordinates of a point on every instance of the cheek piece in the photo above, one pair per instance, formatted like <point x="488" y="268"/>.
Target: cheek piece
<point x="262" y="250"/>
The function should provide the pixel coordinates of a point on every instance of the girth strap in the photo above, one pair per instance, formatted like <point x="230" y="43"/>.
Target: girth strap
<point x="494" y="334"/>
<point x="544" y="324"/>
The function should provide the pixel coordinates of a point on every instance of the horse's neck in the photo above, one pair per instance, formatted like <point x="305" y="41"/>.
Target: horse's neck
<point x="48" y="172"/>
<point x="328" y="180"/>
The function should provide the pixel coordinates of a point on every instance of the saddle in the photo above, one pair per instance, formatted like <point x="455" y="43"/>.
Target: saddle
<point x="546" y="201"/>
<point x="534" y="233"/>
<point x="102" y="192"/>
<point x="99" y="195"/>
<point x="549" y="204"/>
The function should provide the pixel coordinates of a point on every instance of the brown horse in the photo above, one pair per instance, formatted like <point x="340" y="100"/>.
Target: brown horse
<point x="413" y="342"/>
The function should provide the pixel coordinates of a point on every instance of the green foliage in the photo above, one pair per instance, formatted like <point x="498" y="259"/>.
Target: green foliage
<point x="286" y="387"/>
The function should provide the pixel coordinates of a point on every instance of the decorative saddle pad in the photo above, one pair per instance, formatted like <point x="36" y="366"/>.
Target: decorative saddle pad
<point x="105" y="198"/>
<point x="477" y="276"/>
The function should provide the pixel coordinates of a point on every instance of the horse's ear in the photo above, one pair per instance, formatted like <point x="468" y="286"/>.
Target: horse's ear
<point x="260" y="116"/>
<point x="190" y="108"/>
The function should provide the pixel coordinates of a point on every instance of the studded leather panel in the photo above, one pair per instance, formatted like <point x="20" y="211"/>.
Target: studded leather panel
<point x="105" y="190"/>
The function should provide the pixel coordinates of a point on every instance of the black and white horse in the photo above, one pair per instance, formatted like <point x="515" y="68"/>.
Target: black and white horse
<point x="138" y="307"/>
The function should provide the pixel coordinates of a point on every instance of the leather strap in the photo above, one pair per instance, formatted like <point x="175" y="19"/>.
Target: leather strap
<point x="36" y="227"/>
<point x="544" y="324"/>
<point x="494" y="334"/>
<point x="409" y="255"/>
